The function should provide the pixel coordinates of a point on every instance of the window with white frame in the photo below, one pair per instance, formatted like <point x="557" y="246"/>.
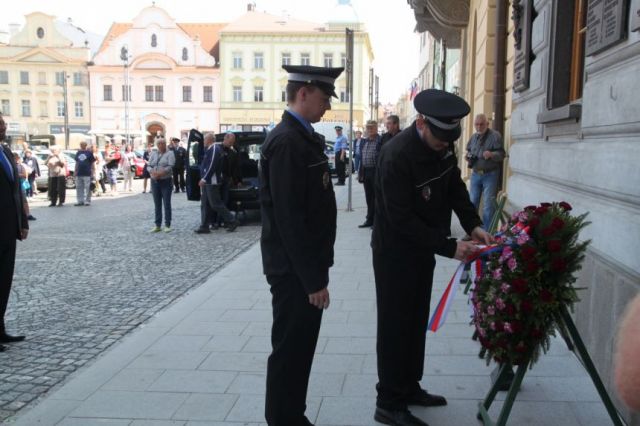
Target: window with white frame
<point x="79" y="109"/>
<point x="60" y="108"/>
<point x="159" y="91"/>
<point x="305" y="59"/>
<point x="148" y="93"/>
<point x="107" y="92"/>
<point x="237" y="60"/>
<point x="59" y="78"/>
<point x="258" y="60"/>
<point x="24" y="77"/>
<point x="186" y="93"/>
<point x="4" y="77"/>
<point x="286" y="58"/>
<point x="344" y="95"/>
<point x="237" y="93"/>
<point x="258" y="94"/>
<point x="328" y="60"/>
<point x="207" y="93"/>
<point x="26" y="108"/>
<point x="44" y="109"/>
<point x="6" y="107"/>
<point x="77" y="79"/>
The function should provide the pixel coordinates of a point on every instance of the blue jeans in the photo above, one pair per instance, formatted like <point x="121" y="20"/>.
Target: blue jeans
<point x="485" y="185"/>
<point x="161" y="190"/>
<point x="356" y="161"/>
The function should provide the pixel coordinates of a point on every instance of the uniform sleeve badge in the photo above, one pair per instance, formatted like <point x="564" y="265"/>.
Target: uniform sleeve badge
<point x="426" y="193"/>
<point x="326" y="179"/>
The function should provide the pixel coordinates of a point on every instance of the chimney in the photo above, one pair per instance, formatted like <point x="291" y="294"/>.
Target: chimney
<point x="251" y="7"/>
<point x="13" y="29"/>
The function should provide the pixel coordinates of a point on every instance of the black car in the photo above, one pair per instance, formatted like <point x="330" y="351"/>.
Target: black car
<point x="241" y="198"/>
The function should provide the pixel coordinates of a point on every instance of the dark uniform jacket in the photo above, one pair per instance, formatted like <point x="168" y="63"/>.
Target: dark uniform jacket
<point x="416" y="190"/>
<point x="181" y="157"/>
<point x="298" y="205"/>
<point x="12" y="214"/>
<point x="231" y="165"/>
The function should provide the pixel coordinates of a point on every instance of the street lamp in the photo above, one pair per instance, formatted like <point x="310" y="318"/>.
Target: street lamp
<point x="124" y="56"/>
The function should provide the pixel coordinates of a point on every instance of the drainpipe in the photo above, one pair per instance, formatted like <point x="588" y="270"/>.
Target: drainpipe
<point x="500" y="65"/>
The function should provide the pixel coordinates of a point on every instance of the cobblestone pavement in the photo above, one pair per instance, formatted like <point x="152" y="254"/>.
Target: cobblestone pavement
<point x="87" y="276"/>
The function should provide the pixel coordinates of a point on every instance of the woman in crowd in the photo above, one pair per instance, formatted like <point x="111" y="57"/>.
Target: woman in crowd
<point x="57" y="165"/>
<point x="98" y="172"/>
<point x="23" y="174"/>
<point x="126" y="161"/>
<point x="161" y="163"/>
<point x="145" y="171"/>
<point x="32" y="162"/>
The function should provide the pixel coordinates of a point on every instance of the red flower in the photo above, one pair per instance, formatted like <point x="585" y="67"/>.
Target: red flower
<point x="536" y="333"/>
<point x="557" y="223"/>
<point x="545" y="205"/>
<point x="516" y="326"/>
<point x="530" y="208"/>
<point x="519" y="285"/>
<point x="558" y="265"/>
<point x="541" y="211"/>
<point x="548" y="231"/>
<point x="554" y="246"/>
<point x="527" y="252"/>
<point x="521" y="348"/>
<point x="526" y="306"/>
<point x="534" y="221"/>
<point x="565" y="206"/>
<point x="546" y="296"/>
<point x="532" y="266"/>
<point x="510" y="310"/>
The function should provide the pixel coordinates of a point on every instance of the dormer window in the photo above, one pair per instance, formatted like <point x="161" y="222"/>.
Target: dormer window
<point x="154" y="40"/>
<point x="185" y="54"/>
<point x="40" y="32"/>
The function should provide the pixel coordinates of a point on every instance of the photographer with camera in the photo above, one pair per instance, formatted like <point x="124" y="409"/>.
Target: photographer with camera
<point x="485" y="152"/>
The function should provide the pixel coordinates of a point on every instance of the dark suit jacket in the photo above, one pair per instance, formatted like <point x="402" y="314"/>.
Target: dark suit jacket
<point x="212" y="164"/>
<point x="12" y="215"/>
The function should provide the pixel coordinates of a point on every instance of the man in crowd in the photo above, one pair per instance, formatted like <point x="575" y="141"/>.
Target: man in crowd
<point x="84" y="168"/>
<point x="340" y="150"/>
<point x="210" y="186"/>
<point x="356" y="150"/>
<point x="298" y="232"/>
<point x="181" y="160"/>
<point x="15" y="226"/>
<point x="485" y="153"/>
<point x="393" y="128"/>
<point x="57" y="165"/>
<point x="417" y="185"/>
<point x="369" y="150"/>
<point x="230" y="169"/>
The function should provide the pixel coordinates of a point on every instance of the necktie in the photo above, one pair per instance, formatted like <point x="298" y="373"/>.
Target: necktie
<point x="6" y="165"/>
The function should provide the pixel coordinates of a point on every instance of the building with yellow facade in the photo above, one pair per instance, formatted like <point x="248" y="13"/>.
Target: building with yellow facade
<point x="253" y="49"/>
<point x="34" y="62"/>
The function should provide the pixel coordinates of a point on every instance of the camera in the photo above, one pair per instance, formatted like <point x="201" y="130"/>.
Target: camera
<point x="471" y="160"/>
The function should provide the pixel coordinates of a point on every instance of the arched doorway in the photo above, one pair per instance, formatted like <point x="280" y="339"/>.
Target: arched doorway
<point x="155" y="129"/>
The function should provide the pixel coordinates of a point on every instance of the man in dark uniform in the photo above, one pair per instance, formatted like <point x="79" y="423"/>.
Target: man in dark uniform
<point x="298" y="232"/>
<point x="340" y="150"/>
<point x="181" y="160"/>
<point x="417" y="185"/>
<point x="15" y="226"/>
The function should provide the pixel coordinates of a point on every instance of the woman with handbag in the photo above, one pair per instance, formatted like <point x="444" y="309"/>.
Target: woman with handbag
<point x="128" y="167"/>
<point x="23" y="174"/>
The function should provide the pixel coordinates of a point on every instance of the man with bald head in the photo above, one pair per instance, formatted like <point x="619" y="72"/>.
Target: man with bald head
<point x="485" y="153"/>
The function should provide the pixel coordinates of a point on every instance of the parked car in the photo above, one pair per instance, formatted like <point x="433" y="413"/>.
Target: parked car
<point x="242" y="198"/>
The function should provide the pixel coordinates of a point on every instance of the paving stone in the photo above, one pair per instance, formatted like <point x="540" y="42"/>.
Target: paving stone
<point x="194" y="381"/>
<point x="131" y="405"/>
<point x="206" y="407"/>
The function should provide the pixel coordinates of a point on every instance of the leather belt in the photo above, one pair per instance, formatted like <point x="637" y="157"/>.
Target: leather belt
<point x="483" y="172"/>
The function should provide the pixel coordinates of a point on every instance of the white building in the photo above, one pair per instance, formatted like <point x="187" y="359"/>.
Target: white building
<point x="172" y="78"/>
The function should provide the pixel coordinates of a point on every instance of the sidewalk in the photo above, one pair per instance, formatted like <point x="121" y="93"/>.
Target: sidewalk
<point x="202" y="361"/>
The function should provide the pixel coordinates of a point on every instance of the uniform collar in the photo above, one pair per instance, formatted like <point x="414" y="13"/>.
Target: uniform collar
<point x="305" y="123"/>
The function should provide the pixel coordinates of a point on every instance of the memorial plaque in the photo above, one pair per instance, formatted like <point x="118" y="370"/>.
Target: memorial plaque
<point x="522" y="20"/>
<point x="606" y="24"/>
<point x="635" y="17"/>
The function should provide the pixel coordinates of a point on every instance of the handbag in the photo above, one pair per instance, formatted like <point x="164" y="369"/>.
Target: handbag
<point x="133" y="168"/>
<point x="25" y="184"/>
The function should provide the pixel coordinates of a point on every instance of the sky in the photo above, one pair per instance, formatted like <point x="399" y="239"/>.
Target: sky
<point x="390" y="24"/>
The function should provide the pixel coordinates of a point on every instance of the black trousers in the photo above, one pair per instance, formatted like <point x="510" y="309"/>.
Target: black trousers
<point x="178" y="178"/>
<point x="7" y="263"/>
<point x="57" y="189"/>
<point x="340" y="167"/>
<point x="369" y="191"/>
<point x="403" y="294"/>
<point x="212" y="208"/>
<point x="294" y="335"/>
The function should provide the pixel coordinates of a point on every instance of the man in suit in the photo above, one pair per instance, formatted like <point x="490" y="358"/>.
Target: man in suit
<point x="15" y="226"/>
<point x="210" y="185"/>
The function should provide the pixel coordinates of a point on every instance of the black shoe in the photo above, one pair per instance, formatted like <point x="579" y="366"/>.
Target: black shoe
<point x="61" y="205"/>
<point x="232" y="226"/>
<point x="426" y="399"/>
<point x="340" y="184"/>
<point x="30" y="217"/>
<point x="366" y="225"/>
<point x="79" y="204"/>
<point x="397" y="418"/>
<point x="2" y="348"/>
<point x="202" y="231"/>
<point x="215" y="227"/>
<point x="6" y="338"/>
<point x="52" y="205"/>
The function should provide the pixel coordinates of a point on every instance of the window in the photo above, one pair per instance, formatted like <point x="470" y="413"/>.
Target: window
<point x="237" y="93"/>
<point x="305" y="59"/>
<point x="77" y="79"/>
<point x="237" y="60"/>
<point x="107" y="92"/>
<point x="185" y="54"/>
<point x="283" y="95"/>
<point x="40" y="32"/>
<point x="42" y="78"/>
<point x="258" y="94"/>
<point x="60" y="108"/>
<point x="343" y="60"/>
<point x="79" y="109"/>
<point x="328" y="60"/>
<point x="6" y="107"/>
<point x="126" y="92"/>
<point x="286" y="59"/>
<point x="60" y="78"/>
<point x="207" y="94"/>
<point x="344" y="95"/>
<point x="186" y="93"/>
<point x="148" y="93"/>
<point x="4" y="77"/>
<point x="159" y="93"/>
<point x="44" y="109"/>
<point x="154" y="40"/>
<point x="24" y="77"/>
<point x="26" y="108"/>
<point x="258" y="60"/>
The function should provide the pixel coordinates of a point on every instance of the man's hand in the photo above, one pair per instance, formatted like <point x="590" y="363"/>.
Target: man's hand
<point x="201" y="183"/>
<point x="464" y="250"/>
<point x="487" y="155"/>
<point x="24" y="233"/>
<point x="320" y="299"/>
<point x="480" y="235"/>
